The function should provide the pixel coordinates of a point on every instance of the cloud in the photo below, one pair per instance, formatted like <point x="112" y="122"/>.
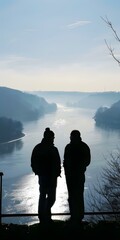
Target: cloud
<point x="77" y="24"/>
<point x="16" y="62"/>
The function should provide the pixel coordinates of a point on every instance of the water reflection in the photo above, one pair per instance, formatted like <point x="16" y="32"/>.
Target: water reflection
<point x="112" y="128"/>
<point x="24" y="199"/>
<point x="10" y="147"/>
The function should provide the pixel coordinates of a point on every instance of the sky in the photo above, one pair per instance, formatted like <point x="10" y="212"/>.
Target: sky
<point x="59" y="45"/>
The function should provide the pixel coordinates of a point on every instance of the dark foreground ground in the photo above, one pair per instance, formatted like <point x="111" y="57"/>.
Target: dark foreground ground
<point x="61" y="230"/>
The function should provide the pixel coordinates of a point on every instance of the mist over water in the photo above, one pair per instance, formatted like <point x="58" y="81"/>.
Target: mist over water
<point x="20" y="185"/>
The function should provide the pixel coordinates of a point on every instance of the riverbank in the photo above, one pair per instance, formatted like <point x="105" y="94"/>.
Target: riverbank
<point x="12" y="139"/>
<point x="61" y="230"/>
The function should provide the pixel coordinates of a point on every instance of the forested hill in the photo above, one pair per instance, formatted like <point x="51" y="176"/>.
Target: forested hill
<point x="23" y="106"/>
<point x="108" y="117"/>
<point x="10" y="130"/>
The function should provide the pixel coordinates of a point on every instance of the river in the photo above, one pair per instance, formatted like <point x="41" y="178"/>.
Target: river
<point x="20" y="189"/>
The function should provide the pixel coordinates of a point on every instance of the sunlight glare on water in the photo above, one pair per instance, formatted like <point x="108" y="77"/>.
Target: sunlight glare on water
<point x="26" y="194"/>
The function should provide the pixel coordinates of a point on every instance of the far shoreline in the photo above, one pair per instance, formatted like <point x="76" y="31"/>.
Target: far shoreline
<point x="13" y="140"/>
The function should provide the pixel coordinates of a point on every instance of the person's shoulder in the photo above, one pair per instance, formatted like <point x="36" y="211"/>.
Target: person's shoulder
<point x="55" y="148"/>
<point x="85" y="144"/>
<point x="67" y="145"/>
<point x="37" y="146"/>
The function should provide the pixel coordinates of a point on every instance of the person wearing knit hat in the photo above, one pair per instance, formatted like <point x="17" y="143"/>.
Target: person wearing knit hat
<point x="46" y="163"/>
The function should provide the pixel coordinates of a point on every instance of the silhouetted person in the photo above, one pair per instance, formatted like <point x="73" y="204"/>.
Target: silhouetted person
<point x="77" y="157"/>
<point x="46" y="163"/>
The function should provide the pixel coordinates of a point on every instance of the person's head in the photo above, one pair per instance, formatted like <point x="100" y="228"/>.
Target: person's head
<point x="75" y="136"/>
<point x="48" y="135"/>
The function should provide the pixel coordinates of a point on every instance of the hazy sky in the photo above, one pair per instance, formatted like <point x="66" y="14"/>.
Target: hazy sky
<point x="59" y="45"/>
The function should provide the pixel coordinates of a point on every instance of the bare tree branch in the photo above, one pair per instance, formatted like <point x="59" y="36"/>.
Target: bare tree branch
<point x="109" y="24"/>
<point x="105" y="195"/>
<point x="111" y="50"/>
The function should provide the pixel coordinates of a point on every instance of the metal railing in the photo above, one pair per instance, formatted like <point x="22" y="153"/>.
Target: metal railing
<point x="2" y="215"/>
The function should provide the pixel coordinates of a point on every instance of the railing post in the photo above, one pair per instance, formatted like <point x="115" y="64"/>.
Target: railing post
<point x="1" y="174"/>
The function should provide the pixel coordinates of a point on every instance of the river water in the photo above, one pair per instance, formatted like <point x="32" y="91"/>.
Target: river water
<point x="20" y="189"/>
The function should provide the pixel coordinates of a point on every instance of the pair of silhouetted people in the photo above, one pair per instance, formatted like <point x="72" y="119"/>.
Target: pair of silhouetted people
<point x="46" y="163"/>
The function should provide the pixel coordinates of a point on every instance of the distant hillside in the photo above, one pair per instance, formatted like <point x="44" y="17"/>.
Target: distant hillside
<point x="92" y="100"/>
<point x="23" y="106"/>
<point x="95" y="100"/>
<point x="108" y="117"/>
